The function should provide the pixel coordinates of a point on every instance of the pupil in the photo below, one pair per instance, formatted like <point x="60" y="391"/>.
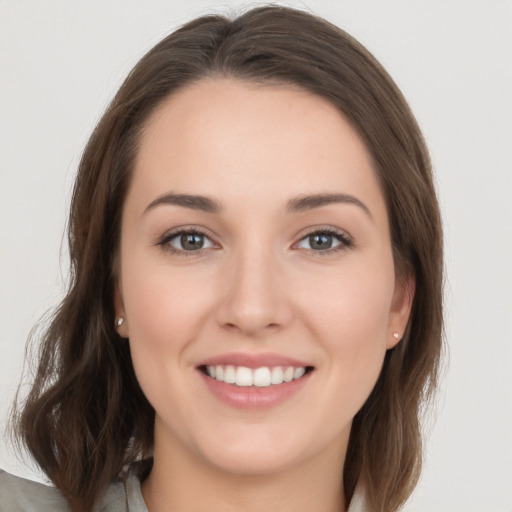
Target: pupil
<point x="192" y="241"/>
<point x="320" y="241"/>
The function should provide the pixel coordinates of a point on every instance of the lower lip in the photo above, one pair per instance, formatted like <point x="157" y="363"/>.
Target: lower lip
<point x="254" y="397"/>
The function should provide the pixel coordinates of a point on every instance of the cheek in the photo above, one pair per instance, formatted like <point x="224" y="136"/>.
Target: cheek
<point x="146" y="304"/>
<point x="349" y="319"/>
<point x="164" y="313"/>
<point x="352" y="305"/>
<point x="162" y="303"/>
<point x="151" y="331"/>
<point x="166" y="309"/>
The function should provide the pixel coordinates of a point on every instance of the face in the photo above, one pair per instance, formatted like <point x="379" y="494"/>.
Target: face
<point x="256" y="276"/>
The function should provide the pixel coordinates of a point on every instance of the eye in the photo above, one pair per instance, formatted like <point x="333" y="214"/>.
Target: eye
<point x="186" y="241"/>
<point x="325" y="241"/>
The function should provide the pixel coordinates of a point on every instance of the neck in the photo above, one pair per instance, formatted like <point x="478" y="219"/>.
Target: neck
<point x="182" y="482"/>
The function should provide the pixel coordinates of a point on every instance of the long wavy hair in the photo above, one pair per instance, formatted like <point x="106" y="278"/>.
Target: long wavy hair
<point x="86" y="416"/>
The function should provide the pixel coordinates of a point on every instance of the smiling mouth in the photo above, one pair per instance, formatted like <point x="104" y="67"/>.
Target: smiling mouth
<point x="264" y="376"/>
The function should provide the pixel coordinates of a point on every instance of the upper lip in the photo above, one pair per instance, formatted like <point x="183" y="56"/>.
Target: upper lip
<point x="253" y="360"/>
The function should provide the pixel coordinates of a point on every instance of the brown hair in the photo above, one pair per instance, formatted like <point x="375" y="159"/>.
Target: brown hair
<point x="86" y="416"/>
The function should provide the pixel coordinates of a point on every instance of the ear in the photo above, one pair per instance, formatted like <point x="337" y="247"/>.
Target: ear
<point x="401" y="306"/>
<point x="120" y="326"/>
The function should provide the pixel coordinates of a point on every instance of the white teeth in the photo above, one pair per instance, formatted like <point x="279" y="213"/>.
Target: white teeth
<point x="277" y="375"/>
<point x="243" y="376"/>
<point x="299" y="372"/>
<point x="230" y="375"/>
<point x="288" y="374"/>
<point x="258" y="377"/>
<point x="261" y="377"/>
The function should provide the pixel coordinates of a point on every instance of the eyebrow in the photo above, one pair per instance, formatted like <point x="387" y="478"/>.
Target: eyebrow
<point x="305" y="203"/>
<point x="298" y="204"/>
<point x="193" y="202"/>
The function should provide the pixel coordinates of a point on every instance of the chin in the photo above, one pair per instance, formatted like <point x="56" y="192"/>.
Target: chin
<point x="259" y="450"/>
<point x="253" y="461"/>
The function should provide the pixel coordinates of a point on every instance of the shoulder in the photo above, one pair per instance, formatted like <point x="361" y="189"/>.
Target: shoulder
<point x="124" y="493"/>
<point x="22" y="495"/>
<point x="358" y="502"/>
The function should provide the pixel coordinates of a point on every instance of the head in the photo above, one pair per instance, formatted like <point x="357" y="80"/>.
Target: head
<point x="268" y="51"/>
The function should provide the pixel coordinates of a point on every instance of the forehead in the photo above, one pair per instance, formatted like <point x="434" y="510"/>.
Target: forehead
<point x="241" y="141"/>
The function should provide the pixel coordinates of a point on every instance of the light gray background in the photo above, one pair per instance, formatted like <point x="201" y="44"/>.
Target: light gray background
<point x="60" y="63"/>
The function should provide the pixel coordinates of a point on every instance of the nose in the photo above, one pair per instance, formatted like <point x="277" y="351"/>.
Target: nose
<point x="254" y="299"/>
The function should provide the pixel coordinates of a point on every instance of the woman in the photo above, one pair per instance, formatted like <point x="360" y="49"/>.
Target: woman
<point x="254" y="316"/>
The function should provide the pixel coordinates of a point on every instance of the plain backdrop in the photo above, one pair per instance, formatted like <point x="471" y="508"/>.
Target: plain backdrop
<point x="61" y="62"/>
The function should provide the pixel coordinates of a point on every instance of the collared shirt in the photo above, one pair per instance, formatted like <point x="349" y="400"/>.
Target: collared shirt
<point x="122" y="495"/>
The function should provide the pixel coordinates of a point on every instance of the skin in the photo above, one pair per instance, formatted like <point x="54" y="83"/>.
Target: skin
<point x="257" y="286"/>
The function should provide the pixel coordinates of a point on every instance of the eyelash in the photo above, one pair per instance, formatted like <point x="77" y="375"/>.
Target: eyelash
<point x="164" y="241"/>
<point x="345" y="240"/>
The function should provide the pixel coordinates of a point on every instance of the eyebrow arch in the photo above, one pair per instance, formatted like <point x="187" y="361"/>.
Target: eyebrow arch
<point x="304" y="203"/>
<point x="193" y="202"/>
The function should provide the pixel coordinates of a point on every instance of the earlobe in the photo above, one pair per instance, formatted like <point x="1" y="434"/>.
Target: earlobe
<point x="121" y="325"/>
<point x="401" y="306"/>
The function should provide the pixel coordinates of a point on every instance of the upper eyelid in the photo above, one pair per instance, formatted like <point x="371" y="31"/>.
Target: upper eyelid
<point x="326" y="229"/>
<point x="186" y="229"/>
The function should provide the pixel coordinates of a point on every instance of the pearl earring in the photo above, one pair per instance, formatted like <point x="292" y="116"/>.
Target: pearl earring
<point x="395" y="335"/>
<point x="120" y="321"/>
